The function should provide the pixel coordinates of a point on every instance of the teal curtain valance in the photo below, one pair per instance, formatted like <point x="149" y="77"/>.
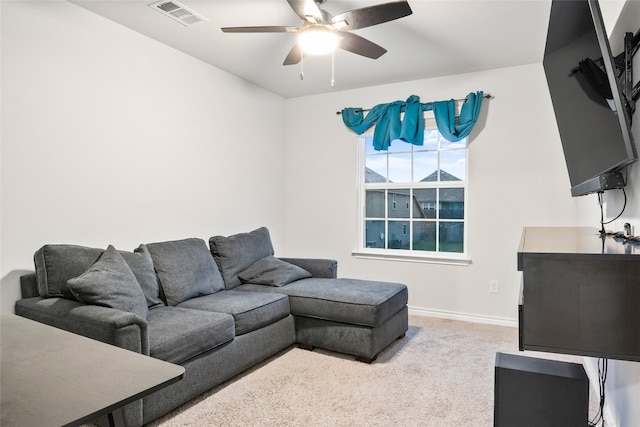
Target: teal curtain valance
<point x="389" y="127"/>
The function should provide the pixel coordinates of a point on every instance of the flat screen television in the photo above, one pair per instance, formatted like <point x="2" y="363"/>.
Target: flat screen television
<point x="590" y="110"/>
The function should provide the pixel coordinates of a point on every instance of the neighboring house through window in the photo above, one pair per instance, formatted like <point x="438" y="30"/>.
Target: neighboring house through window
<point x="413" y="197"/>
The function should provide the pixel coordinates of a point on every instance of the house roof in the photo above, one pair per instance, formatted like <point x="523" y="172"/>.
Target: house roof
<point x="444" y="176"/>
<point x="372" y="176"/>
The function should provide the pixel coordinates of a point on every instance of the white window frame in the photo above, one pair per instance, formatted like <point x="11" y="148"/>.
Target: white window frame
<point x="455" y="258"/>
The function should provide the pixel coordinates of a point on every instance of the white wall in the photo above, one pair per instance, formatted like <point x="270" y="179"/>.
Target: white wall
<point x="109" y="137"/>
<point x="517" y="178"/>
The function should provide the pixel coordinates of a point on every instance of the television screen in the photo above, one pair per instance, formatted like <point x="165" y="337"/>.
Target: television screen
<point x="587" y="100"/>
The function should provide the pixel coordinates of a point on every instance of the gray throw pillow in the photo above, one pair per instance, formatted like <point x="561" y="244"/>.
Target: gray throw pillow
<point x="185" y="268"/>
<point x="109" y="282"/>
<point x="272" y="271"/>
<point x="235" y="253"/>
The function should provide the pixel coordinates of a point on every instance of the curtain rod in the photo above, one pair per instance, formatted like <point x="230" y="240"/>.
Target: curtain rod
<point x="486" y="95"/>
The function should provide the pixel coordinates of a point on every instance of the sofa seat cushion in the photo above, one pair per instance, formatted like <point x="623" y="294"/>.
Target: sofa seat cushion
<point x="353" y="301"/>
<point x="178" y="334"/>
<point x="250" y="310"/>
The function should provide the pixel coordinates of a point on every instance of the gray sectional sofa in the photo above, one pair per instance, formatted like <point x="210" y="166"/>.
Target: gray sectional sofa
<point x="216" y="310"/>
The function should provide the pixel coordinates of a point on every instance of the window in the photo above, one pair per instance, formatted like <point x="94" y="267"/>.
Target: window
<point x="413" y="197"/>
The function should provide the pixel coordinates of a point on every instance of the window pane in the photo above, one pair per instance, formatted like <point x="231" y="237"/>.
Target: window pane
<point x="375" y="168"/>
<point x="400" y="167"/>
<point x="431" y="137"/>
<point x="453" y="165"/>
<point x="408" y="202"/>
<point x="451" y="237"/>
<point x="398" y="145"/>
<point x="425" y="166"/>
<point x="426" y="203"/>
<point x="452" y="203"/>
<point x="445" y="144"/>
<point x="374" y="234"/>
<point x="368" y="143"/>
<point x="374" y="204"/>
<point x="398" y="235"/>
<point x="424" y="236"/>
<point x="399" y="203"/>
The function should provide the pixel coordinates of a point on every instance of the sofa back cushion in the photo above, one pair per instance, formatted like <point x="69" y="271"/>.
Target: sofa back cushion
<point x="235" y="253"/>
<point x="109" y="282"/>
<point x="56" y="264"/>
<point x="142" y="266"/>
<point x="185" y="268"/>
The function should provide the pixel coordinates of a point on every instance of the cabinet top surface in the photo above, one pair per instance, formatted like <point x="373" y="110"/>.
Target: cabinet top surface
<point x="572" y="240"/>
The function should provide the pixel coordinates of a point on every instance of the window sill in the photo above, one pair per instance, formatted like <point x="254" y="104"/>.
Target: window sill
<point x="448" y="259"/>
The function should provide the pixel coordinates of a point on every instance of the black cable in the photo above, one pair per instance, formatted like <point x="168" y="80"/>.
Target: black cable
<point x="602" y="379"/>
<point x="600" y="201"/>
<point x="624" y="206"/>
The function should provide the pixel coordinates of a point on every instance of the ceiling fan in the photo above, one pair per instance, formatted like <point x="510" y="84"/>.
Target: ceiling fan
<point x="320" y="23"/>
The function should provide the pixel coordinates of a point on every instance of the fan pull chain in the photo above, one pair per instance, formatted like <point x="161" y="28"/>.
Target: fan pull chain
<point x="333" y="67"/>
<point x="301" y="65"/>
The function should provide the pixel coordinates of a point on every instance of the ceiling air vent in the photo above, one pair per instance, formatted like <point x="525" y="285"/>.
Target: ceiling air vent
<point x="177" y="12"/>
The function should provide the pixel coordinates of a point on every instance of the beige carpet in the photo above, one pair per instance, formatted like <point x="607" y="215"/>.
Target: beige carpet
<point x="440" y="374"/>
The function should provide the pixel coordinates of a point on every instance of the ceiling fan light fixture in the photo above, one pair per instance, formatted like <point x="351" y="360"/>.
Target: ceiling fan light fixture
<point x="318" y="41"/>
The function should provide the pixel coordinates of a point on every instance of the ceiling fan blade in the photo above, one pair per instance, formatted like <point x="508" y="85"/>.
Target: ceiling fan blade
<point x="373" y="15"/>
<point x="361" y="46"/>
<point x="267" y="29"/>
<point x="305" y="9"/>
<point x="295" y="55"/>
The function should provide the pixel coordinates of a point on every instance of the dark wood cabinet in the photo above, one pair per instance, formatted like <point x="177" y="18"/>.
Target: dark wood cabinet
<point x="580" y="293"/>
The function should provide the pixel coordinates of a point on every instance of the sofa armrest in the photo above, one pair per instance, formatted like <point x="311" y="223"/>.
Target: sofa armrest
<point x="318" y="267"/>
<point x="109" y="325"/>
<point x="29" y="285"/>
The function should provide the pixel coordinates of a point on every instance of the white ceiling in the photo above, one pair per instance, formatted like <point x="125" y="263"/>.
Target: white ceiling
<point x="441" y="37"/>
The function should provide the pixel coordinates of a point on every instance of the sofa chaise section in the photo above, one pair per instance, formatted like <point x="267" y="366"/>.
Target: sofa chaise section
<point x="357" y="317"/>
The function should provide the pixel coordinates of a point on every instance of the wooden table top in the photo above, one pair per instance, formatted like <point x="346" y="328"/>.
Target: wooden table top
<point x="51" y="377"/>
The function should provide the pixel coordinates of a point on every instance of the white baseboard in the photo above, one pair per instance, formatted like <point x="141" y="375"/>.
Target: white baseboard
<point x="591" y="367"/>
<point x="452" y="315"/>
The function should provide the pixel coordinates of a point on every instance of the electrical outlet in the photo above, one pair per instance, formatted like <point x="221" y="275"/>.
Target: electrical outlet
<point x="494" y="286"/>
